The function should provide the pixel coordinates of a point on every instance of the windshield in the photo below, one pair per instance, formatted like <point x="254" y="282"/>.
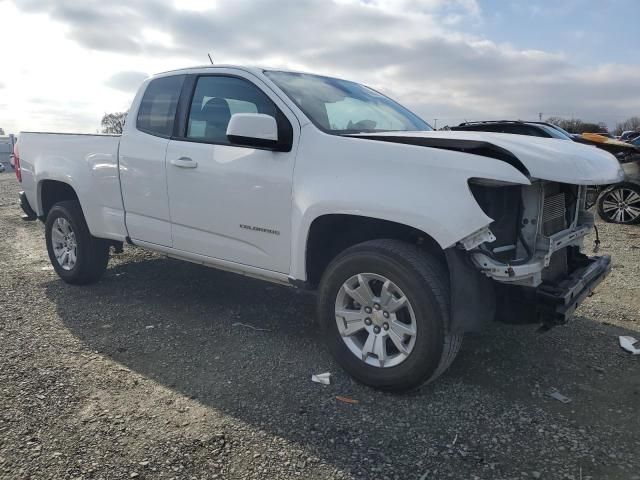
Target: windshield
<point x="560" y="129"/>
<point x="554" y="132"/>
<point x="342" y="107"/>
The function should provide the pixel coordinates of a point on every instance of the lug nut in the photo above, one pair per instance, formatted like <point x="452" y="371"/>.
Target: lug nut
<point x="385" y="314"/>
<point x="376" y="329"/>
<point x="376" y="306"/>
<point x="367" y="321"/>
<point x="367" y="309"/>
<point x="385" y="325"/>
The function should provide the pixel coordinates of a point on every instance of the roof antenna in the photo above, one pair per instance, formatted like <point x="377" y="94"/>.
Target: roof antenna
<point x="210" y="59"/>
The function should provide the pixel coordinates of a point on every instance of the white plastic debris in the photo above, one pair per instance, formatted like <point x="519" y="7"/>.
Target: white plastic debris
<point x="628" y="344"/>
<point x="323" y="378"/>
<point x="554" y="393"/>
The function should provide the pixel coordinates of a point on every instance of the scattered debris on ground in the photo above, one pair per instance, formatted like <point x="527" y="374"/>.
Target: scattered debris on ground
<point x="323" y="378"/>
<point x="554" y="393"/>
<point x="629" y="344"/>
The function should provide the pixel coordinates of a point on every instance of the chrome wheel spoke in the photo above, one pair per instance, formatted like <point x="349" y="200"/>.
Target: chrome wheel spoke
<point x="398" y="342"/>
<point x="375" y="345"/>
<point x="609" y="206"/>
<point x="385" y="294"/>
<point x="633" y="212"/>
<point x="362" y="294"/>
<point x="380" y="349"/>
<point x="57" y="236"/>
<point x="349" y="321"/>
<point x="617" y="195"/>
<point x="367" y="348"/>
<point x="402" y="329"/>
<point x="396" y="304"/>
<point x="633" y="198"/>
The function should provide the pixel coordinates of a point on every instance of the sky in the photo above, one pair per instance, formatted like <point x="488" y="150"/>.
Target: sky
<point x="65" y="63"/>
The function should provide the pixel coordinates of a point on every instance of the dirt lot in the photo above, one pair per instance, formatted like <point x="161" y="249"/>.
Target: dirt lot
<point x="148" y="374"/>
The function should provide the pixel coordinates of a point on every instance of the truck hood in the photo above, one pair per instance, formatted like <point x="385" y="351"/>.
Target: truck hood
<point x="540" y="158"/>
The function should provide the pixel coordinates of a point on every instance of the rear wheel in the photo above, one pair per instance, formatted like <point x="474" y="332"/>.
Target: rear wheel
<point x="77" y="256"/>
<point x="620" y="204"/>
<point x="384" y="308"/>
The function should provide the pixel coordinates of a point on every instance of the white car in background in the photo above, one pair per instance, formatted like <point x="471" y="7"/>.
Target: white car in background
<point x="411" y="237"/>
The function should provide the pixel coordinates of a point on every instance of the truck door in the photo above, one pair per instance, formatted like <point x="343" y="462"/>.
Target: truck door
<point x="227" y="201"/>
<point x="143" y="146"/>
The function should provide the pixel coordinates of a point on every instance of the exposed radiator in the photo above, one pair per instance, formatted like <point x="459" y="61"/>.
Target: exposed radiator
<point x="554" y="218"/>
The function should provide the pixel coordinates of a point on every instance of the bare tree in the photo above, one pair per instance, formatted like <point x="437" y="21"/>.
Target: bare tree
<point x="575" y="125"/>
<point x="632" y="123"/>
<point x="113" y="122"/>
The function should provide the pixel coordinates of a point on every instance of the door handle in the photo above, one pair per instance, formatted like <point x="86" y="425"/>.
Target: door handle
<point x="184" y="162"/>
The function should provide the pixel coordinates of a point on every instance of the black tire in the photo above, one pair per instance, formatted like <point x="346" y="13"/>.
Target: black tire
<point x="425" y="283"/>
<point x="92" y="252"/>
<point x="609" y="195"/>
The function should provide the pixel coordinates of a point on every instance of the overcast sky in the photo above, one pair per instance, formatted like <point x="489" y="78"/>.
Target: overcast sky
<point x="65" y="63"/>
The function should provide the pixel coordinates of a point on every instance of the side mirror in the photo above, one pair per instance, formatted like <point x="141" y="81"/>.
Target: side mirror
<point x="253" y="130"/>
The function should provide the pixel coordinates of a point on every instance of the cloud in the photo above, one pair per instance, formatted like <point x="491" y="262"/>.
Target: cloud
<point x="418" y="51"/>
<point x="127" y="81"/>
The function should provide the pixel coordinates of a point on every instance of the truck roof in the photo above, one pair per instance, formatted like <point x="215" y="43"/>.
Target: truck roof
<point x="255" y="69"/>
<point x="252" y="69"/>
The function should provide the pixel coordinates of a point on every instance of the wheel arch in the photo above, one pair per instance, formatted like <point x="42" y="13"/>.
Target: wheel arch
<point x="52" y="191"/>
<point x="330" y="234"/>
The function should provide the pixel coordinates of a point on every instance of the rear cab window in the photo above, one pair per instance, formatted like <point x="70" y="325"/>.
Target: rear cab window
<point x="157" y="112"/>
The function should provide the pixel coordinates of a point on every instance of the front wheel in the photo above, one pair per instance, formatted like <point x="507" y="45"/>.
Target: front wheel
<point x="384" y="308"/>
<point x="620" y="204"/>
<point x="77" y="256"/>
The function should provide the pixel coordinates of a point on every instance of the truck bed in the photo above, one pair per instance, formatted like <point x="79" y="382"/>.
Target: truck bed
<point x="86" y="162"/>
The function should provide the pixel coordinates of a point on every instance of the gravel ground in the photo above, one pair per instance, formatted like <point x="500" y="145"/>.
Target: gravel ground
<point x="148" y="374"/>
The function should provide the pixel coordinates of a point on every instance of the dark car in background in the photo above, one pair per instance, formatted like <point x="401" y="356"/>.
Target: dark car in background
<point x="535" y="129"/>
<point x="618" y="203"/>
<point x="629" y="135"/>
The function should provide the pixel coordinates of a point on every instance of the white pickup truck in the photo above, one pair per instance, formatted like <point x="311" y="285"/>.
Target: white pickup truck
<point x="412" y="237"/>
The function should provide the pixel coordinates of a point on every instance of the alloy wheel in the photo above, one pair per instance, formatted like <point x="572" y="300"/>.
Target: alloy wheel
<point x="622" y="205"/>
<point x="375" y="320"/>
<point x="65" y="246"/>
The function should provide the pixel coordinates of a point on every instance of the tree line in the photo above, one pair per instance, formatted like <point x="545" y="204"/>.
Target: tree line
<point x="575" y="125"/>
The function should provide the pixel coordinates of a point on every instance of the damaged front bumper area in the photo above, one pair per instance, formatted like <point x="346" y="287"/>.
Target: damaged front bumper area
<point x="554" y="301"/>
<point x="557" y="301"/>
<point x="527" y="263"/>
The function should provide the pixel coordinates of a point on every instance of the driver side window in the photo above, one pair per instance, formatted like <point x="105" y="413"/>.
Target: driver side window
<point x="216" y="99"/>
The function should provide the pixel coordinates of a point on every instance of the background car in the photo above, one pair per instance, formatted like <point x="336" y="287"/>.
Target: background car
<point x="517" y="127"/>
<point x="602" y="134"/>
<point x="629" y="135"/>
